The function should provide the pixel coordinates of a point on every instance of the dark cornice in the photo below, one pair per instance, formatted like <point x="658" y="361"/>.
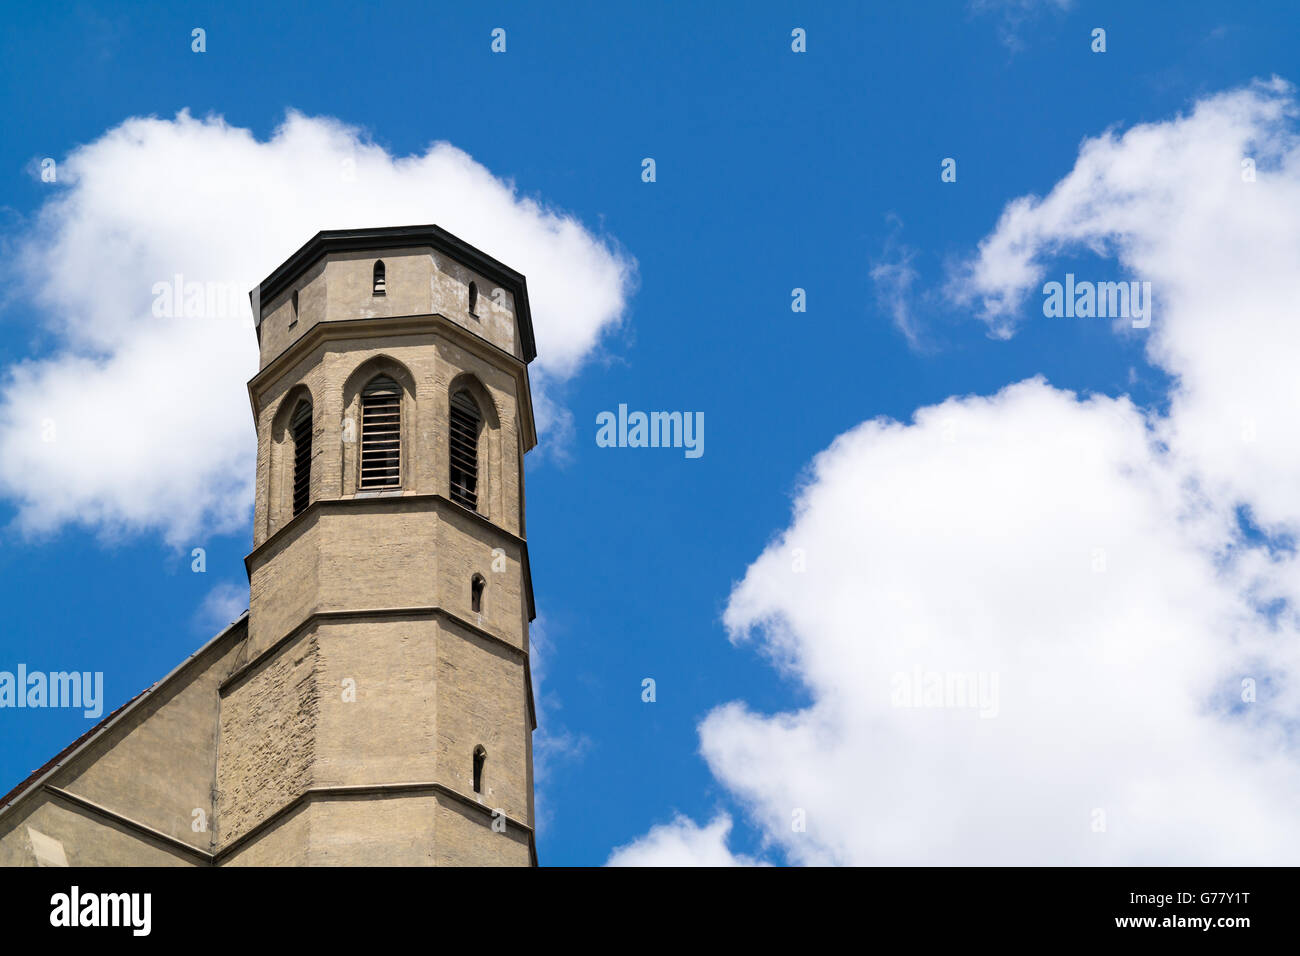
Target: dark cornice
<point x="399" y="237"/>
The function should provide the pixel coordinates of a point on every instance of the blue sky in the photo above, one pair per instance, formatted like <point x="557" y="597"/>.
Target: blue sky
<point x="775" y="170"/>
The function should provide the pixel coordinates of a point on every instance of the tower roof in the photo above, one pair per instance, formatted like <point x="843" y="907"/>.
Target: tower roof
<point x="399" y="237"/>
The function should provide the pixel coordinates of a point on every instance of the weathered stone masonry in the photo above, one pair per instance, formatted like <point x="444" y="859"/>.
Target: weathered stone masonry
<point x="336" y="722"/>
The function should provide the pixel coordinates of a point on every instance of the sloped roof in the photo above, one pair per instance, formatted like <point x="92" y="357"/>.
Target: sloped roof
<point x="57" y="759"/>
<point x="85" y="739"/>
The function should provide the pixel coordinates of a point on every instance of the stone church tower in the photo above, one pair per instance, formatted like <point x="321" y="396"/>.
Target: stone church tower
<point x="374" y="706"/>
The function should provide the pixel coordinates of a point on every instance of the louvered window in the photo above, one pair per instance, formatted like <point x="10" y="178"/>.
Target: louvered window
<point x="381" y="434"/>
<point x="464" y="450"/>
<point x="381" y="283"/>
<point x="301" y="428"/>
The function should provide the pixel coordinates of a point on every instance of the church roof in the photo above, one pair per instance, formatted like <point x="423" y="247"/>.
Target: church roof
<point x="59" y="759"/>
<point x="399" y="237"/>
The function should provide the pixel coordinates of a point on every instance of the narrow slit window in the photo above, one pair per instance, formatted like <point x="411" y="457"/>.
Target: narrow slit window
<point x="300" y="427"/>
<point x="381" y="282"/>
<point x="465" y="420"/>
<point x="480" y="758"/>
<point x="473" y="298"/>
<point x="476" y="594"/>
<point x="294" y="318"/>
<point x="381" y="434"/>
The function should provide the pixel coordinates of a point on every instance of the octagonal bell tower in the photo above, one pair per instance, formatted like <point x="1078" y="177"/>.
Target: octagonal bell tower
<point x="382" y="712"/>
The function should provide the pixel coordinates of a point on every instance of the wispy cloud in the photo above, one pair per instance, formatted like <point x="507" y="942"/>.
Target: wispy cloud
<point x="1015" y="17"/>
<point x="222" y="606"/>
<point x="553" y="743"/>
<point x="894" y="276"/>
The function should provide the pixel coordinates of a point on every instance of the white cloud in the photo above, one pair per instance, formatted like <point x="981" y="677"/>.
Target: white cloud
<point x="1168" y="201"/>
<point x="893" y="277"/>
<point x="1015" y="15"/>
<point x="1041" y="541"/>
<point x="222" y="606"/>
<point x="1084" y="552"/>
<point x="553" y="743"/>
<point x="151" y="429"/>
<point x="681" y="843"/>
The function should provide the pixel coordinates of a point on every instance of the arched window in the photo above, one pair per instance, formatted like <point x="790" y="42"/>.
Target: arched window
<point x="300" y="427"/>
<point x="480" y="758"/>
<point x="465" y="421"/>
<point x="476" y="594"/>
<point x="380" y="280"/>
<point x="381" y="434"/>
<point x="473" y="298"/>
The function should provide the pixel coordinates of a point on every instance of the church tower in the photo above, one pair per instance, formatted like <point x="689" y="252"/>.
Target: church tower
<point x="380" y="709"/>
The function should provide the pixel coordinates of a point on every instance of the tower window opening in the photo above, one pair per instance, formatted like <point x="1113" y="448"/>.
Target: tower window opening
<point x="480" y="758"/>
<point x="300" y="427"/>
<point x="381" y="434"/>
<point x="476" y="594"/>
<point x="293" y="319"/>
<point x="381" y="283"/>
<point x="465" y="421"/>
<point x="473" y="298"/>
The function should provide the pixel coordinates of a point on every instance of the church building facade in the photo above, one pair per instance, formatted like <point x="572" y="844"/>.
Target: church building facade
<point x="374" y="705"/>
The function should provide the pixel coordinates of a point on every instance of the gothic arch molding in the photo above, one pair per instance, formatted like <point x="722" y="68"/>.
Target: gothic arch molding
<point x="279" y="496"/>
<point x="489" y="451"/>
<point x="350" y="427"/>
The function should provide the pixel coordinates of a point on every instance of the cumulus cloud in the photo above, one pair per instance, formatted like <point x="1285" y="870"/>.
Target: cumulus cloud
<point x="1016" y="623"/>
<point x="1173" y="204"/>
<point x="681" y="843"/>
<point x="132" y="422"/>
<point x="1032" y="627"/>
